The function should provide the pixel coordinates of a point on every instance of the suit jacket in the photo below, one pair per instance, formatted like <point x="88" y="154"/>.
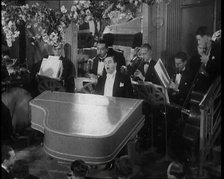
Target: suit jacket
<point x="150" y="75"/>
<point x="122" y="86"/>
<point x="184" y="87"/>
<point x="213" y="69"/>
<point x="5" y="174"/>
<point x="94" y="67"/>
<point x="213" y="66"/>
<point x="194" y="63"/>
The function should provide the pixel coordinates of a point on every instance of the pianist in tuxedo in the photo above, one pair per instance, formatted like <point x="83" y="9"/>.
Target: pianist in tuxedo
<point x="143" y="68"/>
<point x="113" y="83"/>
<point x="181" y="80"/>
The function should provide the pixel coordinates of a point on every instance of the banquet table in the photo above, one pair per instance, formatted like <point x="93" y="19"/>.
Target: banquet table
<point x="90" y="127"/>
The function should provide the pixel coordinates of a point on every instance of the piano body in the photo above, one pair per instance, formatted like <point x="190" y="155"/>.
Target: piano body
<point x="93" y="128"/>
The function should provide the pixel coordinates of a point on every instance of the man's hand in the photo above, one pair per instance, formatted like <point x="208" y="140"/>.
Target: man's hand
<point x="124" y="69"/>
<point x="138" y="73"/>
<point x="173" y="86"/>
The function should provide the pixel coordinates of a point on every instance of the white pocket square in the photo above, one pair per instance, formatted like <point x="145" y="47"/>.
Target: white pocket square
<point x="121" y="84"/>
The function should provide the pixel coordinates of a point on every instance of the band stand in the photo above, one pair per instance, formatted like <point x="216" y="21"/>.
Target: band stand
<point x="154" y="95"/>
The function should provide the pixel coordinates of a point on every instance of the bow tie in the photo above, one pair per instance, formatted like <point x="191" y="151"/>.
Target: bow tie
<point x="179" y="72"/>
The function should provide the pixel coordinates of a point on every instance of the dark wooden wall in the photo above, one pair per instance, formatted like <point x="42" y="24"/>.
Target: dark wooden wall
<point x="179" y="21"/>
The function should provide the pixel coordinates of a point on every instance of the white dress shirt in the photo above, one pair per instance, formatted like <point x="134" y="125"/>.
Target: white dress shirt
<point x="177" y="79"/>
<point x="100" y="68"/>
<point x="109" y="83"/>
<point x="146" y="66"/>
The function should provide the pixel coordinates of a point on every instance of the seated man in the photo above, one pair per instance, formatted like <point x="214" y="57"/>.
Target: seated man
<point x="113" y="83"/>
<point x="181" y="80"/>
<point x="143" y="68"/>
<point x="67" y="76"/>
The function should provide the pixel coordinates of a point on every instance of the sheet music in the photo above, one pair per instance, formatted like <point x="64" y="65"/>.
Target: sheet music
<point x="51" y="67"/>
<point x="162" y="73"/>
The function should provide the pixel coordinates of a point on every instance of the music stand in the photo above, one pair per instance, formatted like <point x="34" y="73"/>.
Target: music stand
<point x="152" y="94"/>
<point x="165" y="81"/>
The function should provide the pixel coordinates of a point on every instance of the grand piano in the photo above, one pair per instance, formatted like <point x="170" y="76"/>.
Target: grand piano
<point x="90" y="127"/>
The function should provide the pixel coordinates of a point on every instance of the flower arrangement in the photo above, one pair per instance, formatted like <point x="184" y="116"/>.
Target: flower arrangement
<point x="42" y="22"/>
<point x="120" y="11"/>
<point x="49" y="24"/>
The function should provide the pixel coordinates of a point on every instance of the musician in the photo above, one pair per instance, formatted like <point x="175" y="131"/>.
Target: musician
<point x="143" y="68"/>
<point x="97" y="68"/>
<point x="113" y="83"/>
<point x="195" y="61"/>
<point x="181" y="80"/>
<point x="8" y="158"/>
<point x="68" y="73"/>
<point x="211" y="59"/>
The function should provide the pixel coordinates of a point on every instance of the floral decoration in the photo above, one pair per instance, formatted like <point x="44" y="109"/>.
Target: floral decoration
<point x="42" y="22"/>
<point x="49" y="24"/>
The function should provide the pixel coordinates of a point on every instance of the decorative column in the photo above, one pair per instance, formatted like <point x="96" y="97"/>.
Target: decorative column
<point x="71" y="45"/>
<point x="154" y="28"/>
<point x="173" y="27"/>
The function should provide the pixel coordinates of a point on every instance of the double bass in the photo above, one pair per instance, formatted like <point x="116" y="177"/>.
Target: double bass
<point x="200" y="85"/>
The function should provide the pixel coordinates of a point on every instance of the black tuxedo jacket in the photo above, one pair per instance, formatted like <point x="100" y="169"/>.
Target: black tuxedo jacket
<point x="150" y="75"/>
<point x="122" y="86"/>
<point x="94" y="67"/>
<point x="184" y="87"/>
<point x="213" y="66"/>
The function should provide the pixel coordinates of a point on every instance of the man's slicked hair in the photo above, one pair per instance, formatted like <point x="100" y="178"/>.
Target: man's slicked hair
<point x="181" y="55"/>
<point x="102" y="41"/>
<point x="146" y="45"/>
<point x="202" y="31"/>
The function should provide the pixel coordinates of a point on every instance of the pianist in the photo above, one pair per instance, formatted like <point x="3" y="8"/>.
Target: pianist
<point x="113" y="83"/>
